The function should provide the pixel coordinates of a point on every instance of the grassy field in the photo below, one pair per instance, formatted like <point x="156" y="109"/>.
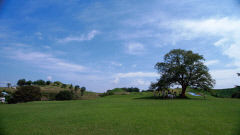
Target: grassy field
<point x="135" y="114"/>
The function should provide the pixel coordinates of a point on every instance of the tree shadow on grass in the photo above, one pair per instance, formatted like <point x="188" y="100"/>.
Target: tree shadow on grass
<point x="161" y="98"/>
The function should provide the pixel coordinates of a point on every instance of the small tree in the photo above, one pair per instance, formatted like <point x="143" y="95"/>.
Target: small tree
<point x="39" y="82"/>
<point x="83" y="89"/>
<point x="57" y="83"/>
<point x="64" y="86"/>
<point x="29" y="82"/>
<point x="185" y="68"/>
<point x="76" y="88"/>
<point x="27" y="93"/>
<point x="48" y="82"/>
<point x="8" y="85"/>
<point x="71" y="86"/>
<point x="21" y="82"/>
<point x="64" y="95"/>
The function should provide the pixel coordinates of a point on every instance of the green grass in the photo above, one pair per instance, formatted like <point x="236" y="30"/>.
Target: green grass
<point x="134" y="114"/>
<point x="225" y="92"/>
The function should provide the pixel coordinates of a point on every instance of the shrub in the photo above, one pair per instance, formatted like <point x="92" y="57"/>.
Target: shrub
<point x="236" y="94"/>
<point x="39" y="82"/>
<point x="21" y="82"/>
<point x="26" y="94"/>
<point x="64" y="95"/>
<point x="108" y="93"/>
<point x="57" y="83"/>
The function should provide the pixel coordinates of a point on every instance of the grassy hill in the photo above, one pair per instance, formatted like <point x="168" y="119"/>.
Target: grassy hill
<point x="49" y="92"/>
<point x="225" y="92"/>
<point x="134" y="114"/>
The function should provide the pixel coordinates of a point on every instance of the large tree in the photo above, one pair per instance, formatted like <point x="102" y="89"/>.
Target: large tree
<point x="184" y="68"/>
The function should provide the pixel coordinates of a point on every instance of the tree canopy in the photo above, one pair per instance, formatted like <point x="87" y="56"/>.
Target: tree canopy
<point x="185" y="68"/>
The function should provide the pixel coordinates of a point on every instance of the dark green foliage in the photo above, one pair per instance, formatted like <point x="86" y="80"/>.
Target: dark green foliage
<point x="39" y="82"/>
<point x="184" y="68"/>
<point x="83" y="89"/>
<point x="131" y="89"/>
<point x="225" y="93"/>
<point x="48" y="82"/>
<point x="108" y="93"/>
<point x="64" y="95"/>
<point x="21" y="82"/>
<point x="26" y="94"/>
<point x="28" y="82"/>
<point x="236" y="94"/>
<point x="57" y="83"/>
<point x="8" y="85"/>
<point x="64" y="86"/>
<point x="71" y="86"/>
<point x="76" y="88"/>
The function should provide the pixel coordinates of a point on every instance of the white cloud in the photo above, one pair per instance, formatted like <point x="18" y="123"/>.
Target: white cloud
<point x="225" y="78"/>
<point x="135" y="48"/>
<point x="80" y="38"/>
<point x="133" y="75"/>
<point x="49" y="78"/>
<point x="140" y="82"/>
<point x="43" y="60"/>
<point x="211" y="62"/>
<point x="137" y="74"/>
<point x="225" y="29"/>
<point x="116" y="64"/>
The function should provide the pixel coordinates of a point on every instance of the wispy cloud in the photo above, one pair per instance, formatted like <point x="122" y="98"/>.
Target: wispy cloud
<point x="82" y="37"/>
<point x="225" y="30"/>
<point x="225" y="77"/>
<point x="134" y="75"/>
<point x="43" y="60"/>
<point x="135" y="48"/>
<point x="211" y="62"/>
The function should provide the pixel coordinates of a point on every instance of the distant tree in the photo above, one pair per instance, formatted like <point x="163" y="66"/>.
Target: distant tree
<point x="76" y="88"/>
<point x="48" y="82"/>
<point x="8" y="85"/>
<point x="21" y="82"/>
<point x="71" y="86"/>
<point x="64" y="95"/>
<point x="64" y="85"/>
<point x="83" y="89"/>
<point x="39" y="82"/>
<point x="29" y="82"/>
<point x="57" y="83"/>
<point x="185" y="68"/>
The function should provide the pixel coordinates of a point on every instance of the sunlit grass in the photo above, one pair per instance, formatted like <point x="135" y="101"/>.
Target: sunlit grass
<point x="123" y="115"/>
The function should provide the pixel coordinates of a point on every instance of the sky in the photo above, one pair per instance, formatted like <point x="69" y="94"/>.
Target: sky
<point x="106" y="44"/>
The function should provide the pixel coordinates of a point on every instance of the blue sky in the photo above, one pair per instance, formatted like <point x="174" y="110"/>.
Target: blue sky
<point x="107" y="44"/>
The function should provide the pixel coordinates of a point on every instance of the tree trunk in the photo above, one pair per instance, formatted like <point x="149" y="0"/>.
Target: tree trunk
<point x="183" y="90"/>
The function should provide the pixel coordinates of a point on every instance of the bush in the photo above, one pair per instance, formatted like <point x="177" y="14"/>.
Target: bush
<point x="39" y="82"/>
<point x="108" y="93"/>
<point x="25" y="94"/>
<point x="64" y="95"/>
<point x="236" y="94"/>
<point x="21" y="82"/>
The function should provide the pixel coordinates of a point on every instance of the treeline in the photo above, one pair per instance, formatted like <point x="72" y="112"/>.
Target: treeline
<point x="23" y="82"/>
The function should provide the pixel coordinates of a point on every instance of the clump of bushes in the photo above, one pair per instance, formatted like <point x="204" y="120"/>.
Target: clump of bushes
<point x="64" y="95"/>
<point x="236" y="94"/>
<point x="108" y="93"/>
<point x="25" y="94"/>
